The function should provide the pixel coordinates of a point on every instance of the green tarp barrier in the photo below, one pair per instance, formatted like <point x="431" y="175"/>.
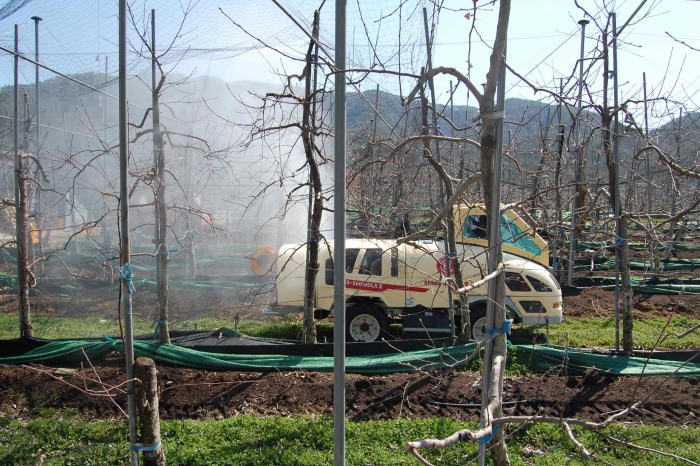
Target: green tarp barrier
<point x="666" y="289"/>
<point x="578" y="361"/>
<point x="687" y="264"/>
<point x="582" y="245"/>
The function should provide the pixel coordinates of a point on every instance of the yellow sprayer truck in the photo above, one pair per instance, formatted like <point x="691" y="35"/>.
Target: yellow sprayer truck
<point x="387" y="282"/>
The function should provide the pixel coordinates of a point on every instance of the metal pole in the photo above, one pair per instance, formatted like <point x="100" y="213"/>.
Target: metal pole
<point x="339" y="235"/>
<point x="107" y="239"/>
<point x="646" y="134"/>
<point x="616" y="141"/>
<point x="156" y="150"/>
<point x="447" y="249"/>
<point x="436" y="131"/>
<point x="18" y="166"/>
<point x="124" y="233"/>
<point x="577" y="166"/>
<point x="431" y="85"/>
<point x="39" y="217"/>
<point x="648" y="170"/>
<point x="494" y="243"/>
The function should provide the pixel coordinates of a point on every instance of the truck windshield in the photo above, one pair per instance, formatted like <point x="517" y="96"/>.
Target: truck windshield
<point x="476" y="226"/>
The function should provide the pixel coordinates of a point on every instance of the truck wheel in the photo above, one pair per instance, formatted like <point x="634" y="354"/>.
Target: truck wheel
<point x="365" y="323"/>
<point x="477" y="317"/>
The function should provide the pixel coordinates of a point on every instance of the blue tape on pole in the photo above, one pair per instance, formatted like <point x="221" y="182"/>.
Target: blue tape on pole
<point x="142" y="447"/>
<point x="127" y="275"/>
<point x="507" y="325"/>
<point x="488" y="438"/>
<point x="158" y="324"/>
<point x="619" y="241"/>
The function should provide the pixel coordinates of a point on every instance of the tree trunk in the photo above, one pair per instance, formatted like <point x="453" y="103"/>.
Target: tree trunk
<point x="147" y="404"/>
<point x="317" y="209"/>
<point x="622" y="241"/>
<point x="161" y="218"/>
<point x="489" y="146"/>
<point x="22" y="231"/>
<point x="26" y="328"/>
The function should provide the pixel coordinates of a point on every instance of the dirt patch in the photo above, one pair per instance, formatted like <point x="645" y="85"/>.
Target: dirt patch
<point x="594" y="302"/>
<point x="196" y="394"/>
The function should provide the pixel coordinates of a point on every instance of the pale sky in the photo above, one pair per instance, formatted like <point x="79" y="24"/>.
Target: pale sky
<point x="544" y="40"/>
<point x="544" y="44"/>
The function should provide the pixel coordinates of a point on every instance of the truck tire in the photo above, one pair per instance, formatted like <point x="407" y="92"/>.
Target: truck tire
<point x="365" y="323"/>
<point x="477" y="318"/>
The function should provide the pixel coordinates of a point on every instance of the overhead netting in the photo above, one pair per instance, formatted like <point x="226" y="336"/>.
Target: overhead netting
<point x="79" y="38"/>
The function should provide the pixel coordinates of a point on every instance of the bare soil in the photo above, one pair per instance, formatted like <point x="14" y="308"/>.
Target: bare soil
<point x="196" y="394"/>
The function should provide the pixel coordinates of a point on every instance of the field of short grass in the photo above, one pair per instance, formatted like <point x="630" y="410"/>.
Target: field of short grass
<point x="582" y="332"/>
<point x="58" y="438"/>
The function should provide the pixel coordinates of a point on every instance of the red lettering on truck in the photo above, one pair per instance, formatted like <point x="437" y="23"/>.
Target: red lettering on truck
<point x="373" y="286"/>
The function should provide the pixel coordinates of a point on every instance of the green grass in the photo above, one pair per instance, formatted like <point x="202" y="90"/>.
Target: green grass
<point x="600" y="332"/>
<point x="60" y="439"/>
<point x="584" y="332"/>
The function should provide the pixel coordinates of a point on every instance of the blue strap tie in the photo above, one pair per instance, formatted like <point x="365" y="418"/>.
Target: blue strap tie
<point x="507" y="324"/>
<point x="158" y="324"/>
<point x="312" y="240"/>
<point x="142" y="447"/>
<point x="488" y="438"/>
<point x="619" y="241"/>
<point x="167" y="251"/>
<point x="127" y="275"/>
<point x="451" y="255"/>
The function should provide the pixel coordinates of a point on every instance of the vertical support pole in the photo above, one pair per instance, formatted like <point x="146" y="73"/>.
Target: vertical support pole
<point x="339" y="235"/>
<point x="160" y="209"/>
<point x="124" y="233"/>
<point x="557" y="194"/>
<point x="673" y="235"/>
<point x="39" y="214"/>
<point x="616" y="143"/>
<point x="646" y="134"/>
<point x="18" y="165"/>
<point x="579" y="162"/>
<point x="107" y="238"/>
<point x="648" y="171"/>
<point x="431" y="85"/>
<point x="436" y="131"/>
<point x="447" y="241"/>
<point x="156" y="148"/>
<point x="496" y="250"/>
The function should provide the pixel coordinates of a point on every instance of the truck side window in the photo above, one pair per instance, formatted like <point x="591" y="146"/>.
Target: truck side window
<point x="475" y="226"/>
<point x="371" y="262"/>
<point x="394" y="263"/>
<point x="330" y="273"/>
<point x="539" y="285"/>
<point x="516" y="282"/>
<point x="350" y="258"/>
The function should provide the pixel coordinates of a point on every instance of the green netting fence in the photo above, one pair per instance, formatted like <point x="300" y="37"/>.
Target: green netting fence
<point x="545" y="358"/>
<point x="662" y="289"/>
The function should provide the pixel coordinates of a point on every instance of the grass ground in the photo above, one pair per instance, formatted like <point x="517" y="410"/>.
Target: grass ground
<point x="58" y="438"/>
<point x="588" y="332"/>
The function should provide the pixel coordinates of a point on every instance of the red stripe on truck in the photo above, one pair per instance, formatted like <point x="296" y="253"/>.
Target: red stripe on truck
<point x="372" y="286"/>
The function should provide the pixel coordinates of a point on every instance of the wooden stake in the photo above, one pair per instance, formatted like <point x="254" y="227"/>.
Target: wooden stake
<point x="147" y="404"/>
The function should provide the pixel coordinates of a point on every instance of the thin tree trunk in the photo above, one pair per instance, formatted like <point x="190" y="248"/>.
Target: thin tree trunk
<point x="23" y="274"/>
<point x="147" y="404"/>
<point x="622" y="241"/>
<point x="498" y="449"/>
<point x="161" y="211"/>
<point x="317" y="209"/>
